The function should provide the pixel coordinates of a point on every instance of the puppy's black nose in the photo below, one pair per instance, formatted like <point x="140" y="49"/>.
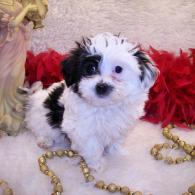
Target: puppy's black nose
<point x="103" y="89"/>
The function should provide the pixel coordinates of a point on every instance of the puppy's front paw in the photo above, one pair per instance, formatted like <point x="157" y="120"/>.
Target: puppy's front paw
<point x="45" y="143"/>
<point x="117" y="149"/>
<point x="98" y="166"/>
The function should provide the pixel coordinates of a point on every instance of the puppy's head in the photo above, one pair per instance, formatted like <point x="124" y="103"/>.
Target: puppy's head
<point x="105" y="69"/>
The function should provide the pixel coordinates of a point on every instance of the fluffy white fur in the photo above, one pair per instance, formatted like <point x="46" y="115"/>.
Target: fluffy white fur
<point x="97" y="125"/>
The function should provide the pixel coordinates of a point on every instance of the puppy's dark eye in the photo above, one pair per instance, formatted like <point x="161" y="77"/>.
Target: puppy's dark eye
<point x="91" y="69"/>
<point x="118" y="69"/>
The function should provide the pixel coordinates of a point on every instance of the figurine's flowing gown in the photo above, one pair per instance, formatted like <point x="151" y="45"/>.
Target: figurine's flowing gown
<point x="13" y="46"/>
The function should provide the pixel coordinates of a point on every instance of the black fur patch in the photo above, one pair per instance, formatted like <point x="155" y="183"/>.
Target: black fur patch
<point x="144" y="64"/>
<point x="80" y="64"/>
<point x="70" y="65"/>
<point x="75" y="89"/>
<point x="55" y="114"/>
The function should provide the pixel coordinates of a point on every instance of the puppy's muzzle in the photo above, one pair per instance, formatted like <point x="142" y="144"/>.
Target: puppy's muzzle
<point x="103" y="89"/>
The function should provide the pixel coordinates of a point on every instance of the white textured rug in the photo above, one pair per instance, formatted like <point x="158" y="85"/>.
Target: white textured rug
<point x="138" y="170"/>
<point x="167" y="24"/>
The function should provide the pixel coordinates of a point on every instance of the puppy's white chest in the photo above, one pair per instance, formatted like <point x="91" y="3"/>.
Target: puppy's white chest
<point x="105" y="124"/>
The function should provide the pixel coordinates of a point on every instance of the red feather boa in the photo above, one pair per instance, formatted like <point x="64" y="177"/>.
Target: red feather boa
<point x="171" y="99"/>
<point x="44" y="67"/>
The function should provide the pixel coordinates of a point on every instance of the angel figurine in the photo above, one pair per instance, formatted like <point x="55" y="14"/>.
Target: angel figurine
<point x="14" y="29"/>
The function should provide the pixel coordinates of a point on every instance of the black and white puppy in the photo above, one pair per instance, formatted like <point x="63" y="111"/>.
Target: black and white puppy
<point x="107" y="80"/>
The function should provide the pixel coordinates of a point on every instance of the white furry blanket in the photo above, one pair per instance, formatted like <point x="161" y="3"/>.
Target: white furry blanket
<point x="139" y="170"/>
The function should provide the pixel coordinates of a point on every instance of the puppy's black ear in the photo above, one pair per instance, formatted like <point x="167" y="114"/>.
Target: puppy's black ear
<point x="71" y="66"/>
<point x="69" y="70"/>
<point x="149" y="71"/>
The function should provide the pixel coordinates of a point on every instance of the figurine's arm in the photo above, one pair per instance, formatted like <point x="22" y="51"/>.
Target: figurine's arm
<point x="18" y="19"/>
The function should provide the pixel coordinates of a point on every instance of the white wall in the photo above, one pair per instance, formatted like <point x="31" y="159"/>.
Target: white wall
<point x="165" y="24"/>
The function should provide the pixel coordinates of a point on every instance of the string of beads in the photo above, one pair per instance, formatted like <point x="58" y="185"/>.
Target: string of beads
<point x="57" y="185"/>
<point x="5" y="188"/>
<point x="177" y="143"/>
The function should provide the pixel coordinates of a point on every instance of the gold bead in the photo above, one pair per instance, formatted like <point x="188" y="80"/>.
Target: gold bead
<point x="118" y="188"/>
<point x="43" y="168"/>
<point x="55" y="180"/>
<point x="193" y="153"/>
<point x="175" y="146"/>
<point x="169" y="160"/>
<point x="46" y="172"/>
<point x="165" y="145"/>
<point x="191" y="189"/>
<point x="125" y="190"/>
<point x="99" y="184"/>
<point x="112" y="187"/>
<point x="169" y="136"/>
<point x="154" y="151"/>
<point x="58" y="187"/>
<point x="179" y="160"/>
<point x="187" y="193"/>
<point x="85" y="170"/>
<point x="188" y="150"/>
<point x="137" y="193"/>
<point x="83" y="163"/>
<point x="51" y="173"/>
<point x="83" y="166"/>
<point x="70" y="153"/>
<point x="181" y="143"/>
<point x="159" y="156"/>
<point x="166" y="129"/>
<point x="188" y="157"/>
<point x="65" y="152"/>
<point x="86" y="175"/>
<point x="3" y="183"/>
<point x="56" y="193"/>
<point x="60" y="153"/>
<point x="165" y="133"/>
<point x="175" y="138"/>
<point x="158" y="146"/>
<point x="90" y="178"/>
<point x="8" y="191"/>
<point x="42" y="160"/>
<point x="49" y="154"/>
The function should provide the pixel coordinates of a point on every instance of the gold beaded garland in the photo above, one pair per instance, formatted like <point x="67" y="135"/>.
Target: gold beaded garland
<point x="6" y="189"/>
<point x="177" y="144"/>
<point x="125" y="190"/>
<point x="55" y="181"/>
<point x="112" y="187"/>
